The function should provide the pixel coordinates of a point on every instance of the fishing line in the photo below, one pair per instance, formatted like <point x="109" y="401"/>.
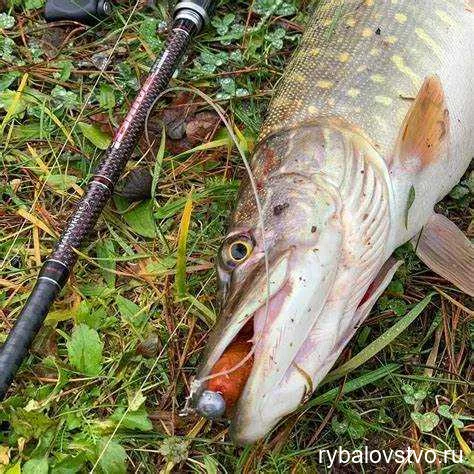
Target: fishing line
<point x="197" y="383"/>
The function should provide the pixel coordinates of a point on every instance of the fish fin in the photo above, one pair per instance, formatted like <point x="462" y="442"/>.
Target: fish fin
<point x="425" y="130"/>
<point x="444" y="248"/>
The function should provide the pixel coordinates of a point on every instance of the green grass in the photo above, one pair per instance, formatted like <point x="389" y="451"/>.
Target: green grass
<point x="110" y="370"/>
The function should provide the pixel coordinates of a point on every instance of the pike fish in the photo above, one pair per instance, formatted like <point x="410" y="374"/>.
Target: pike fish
<point x="371" y="125"/>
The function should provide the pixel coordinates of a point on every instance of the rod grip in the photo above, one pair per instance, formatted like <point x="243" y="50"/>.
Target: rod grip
<point x="25" y="329"/>
<point x="85" y="11"/>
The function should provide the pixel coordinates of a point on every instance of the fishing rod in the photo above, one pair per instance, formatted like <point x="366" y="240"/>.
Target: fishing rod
<point x="189" y="18"/>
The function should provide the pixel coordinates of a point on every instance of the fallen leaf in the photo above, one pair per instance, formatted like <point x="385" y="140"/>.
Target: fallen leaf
<point x="202" y="127"/>
<point x="95" y="135"/>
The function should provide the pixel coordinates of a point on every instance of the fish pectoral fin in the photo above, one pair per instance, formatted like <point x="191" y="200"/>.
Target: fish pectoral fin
<point x="425" y="130"/>
<point x="444" y="248"/>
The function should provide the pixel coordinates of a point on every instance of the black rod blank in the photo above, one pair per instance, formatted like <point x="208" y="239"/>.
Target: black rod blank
<point x="189" y="19"/>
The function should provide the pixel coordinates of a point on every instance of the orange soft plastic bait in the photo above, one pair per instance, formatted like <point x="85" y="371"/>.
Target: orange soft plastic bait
<point x="231" y="385"/>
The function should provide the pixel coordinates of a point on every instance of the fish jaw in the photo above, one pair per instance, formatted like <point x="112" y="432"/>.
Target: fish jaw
<point x="279" y="336"/>
<point x="333" y="328"/>
<point x="235" y="316"/>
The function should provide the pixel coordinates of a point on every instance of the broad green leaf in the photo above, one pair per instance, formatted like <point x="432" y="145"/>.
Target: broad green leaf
<point x="61" y="182"/>
<point x="29" y="131"/>
<point x="111" y="457"/>
<point x="97" y="290"/>
<point x="34" y="4"/>
<point x="43" y="446"/>
<point x="141" y="220"/>
<point x="95" y="135"/>
<point x="70" y="464"/>
<point x="73" y="420"/>
<point x="106" y="259"/>
<point x="11" y="103"/>
<point x="7" y="49"/>
<point x="420" y="395"/>
<point x="107" y="97"/>
<point x="88" y="314"/>
<point x="65" y="69"/>
<point x="444" y="410"/>
<point x="7" y="79"/>
<point x="85" y="350"/>
<point x="458" y="423"/>
<point x="55" y="317"/>
<point x="63" y="98"/>
<point x="425" y="421"/>
<point x="30" y="424"/>
<point x="130" y="312"/>
<point x="149" y="34"/>
<point x="132" y="420"/>
<point x="6" y="21"/>
<point x="36" y="466"/>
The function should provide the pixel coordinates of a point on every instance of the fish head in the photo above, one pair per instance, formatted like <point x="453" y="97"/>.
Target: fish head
<point x="276" y="268"/>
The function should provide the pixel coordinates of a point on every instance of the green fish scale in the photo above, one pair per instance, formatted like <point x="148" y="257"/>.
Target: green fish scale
<point x="361" y="55"/>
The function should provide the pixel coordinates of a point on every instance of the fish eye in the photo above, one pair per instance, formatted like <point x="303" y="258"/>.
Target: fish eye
<point x="236" y="251"/>
<point x="239" y="250"/>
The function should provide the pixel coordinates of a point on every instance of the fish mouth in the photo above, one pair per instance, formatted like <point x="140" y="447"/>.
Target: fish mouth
<point x="281" y="314"/>
<point x="238" y="315"/>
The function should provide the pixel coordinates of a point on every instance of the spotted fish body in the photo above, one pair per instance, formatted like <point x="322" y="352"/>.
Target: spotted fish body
<point x="370" y="126"/>
<point x="365" y="61"/>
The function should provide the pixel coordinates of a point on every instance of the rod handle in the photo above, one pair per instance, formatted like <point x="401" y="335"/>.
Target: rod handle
<point x="21" y="336"/>
<point x="84" y="11"/>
